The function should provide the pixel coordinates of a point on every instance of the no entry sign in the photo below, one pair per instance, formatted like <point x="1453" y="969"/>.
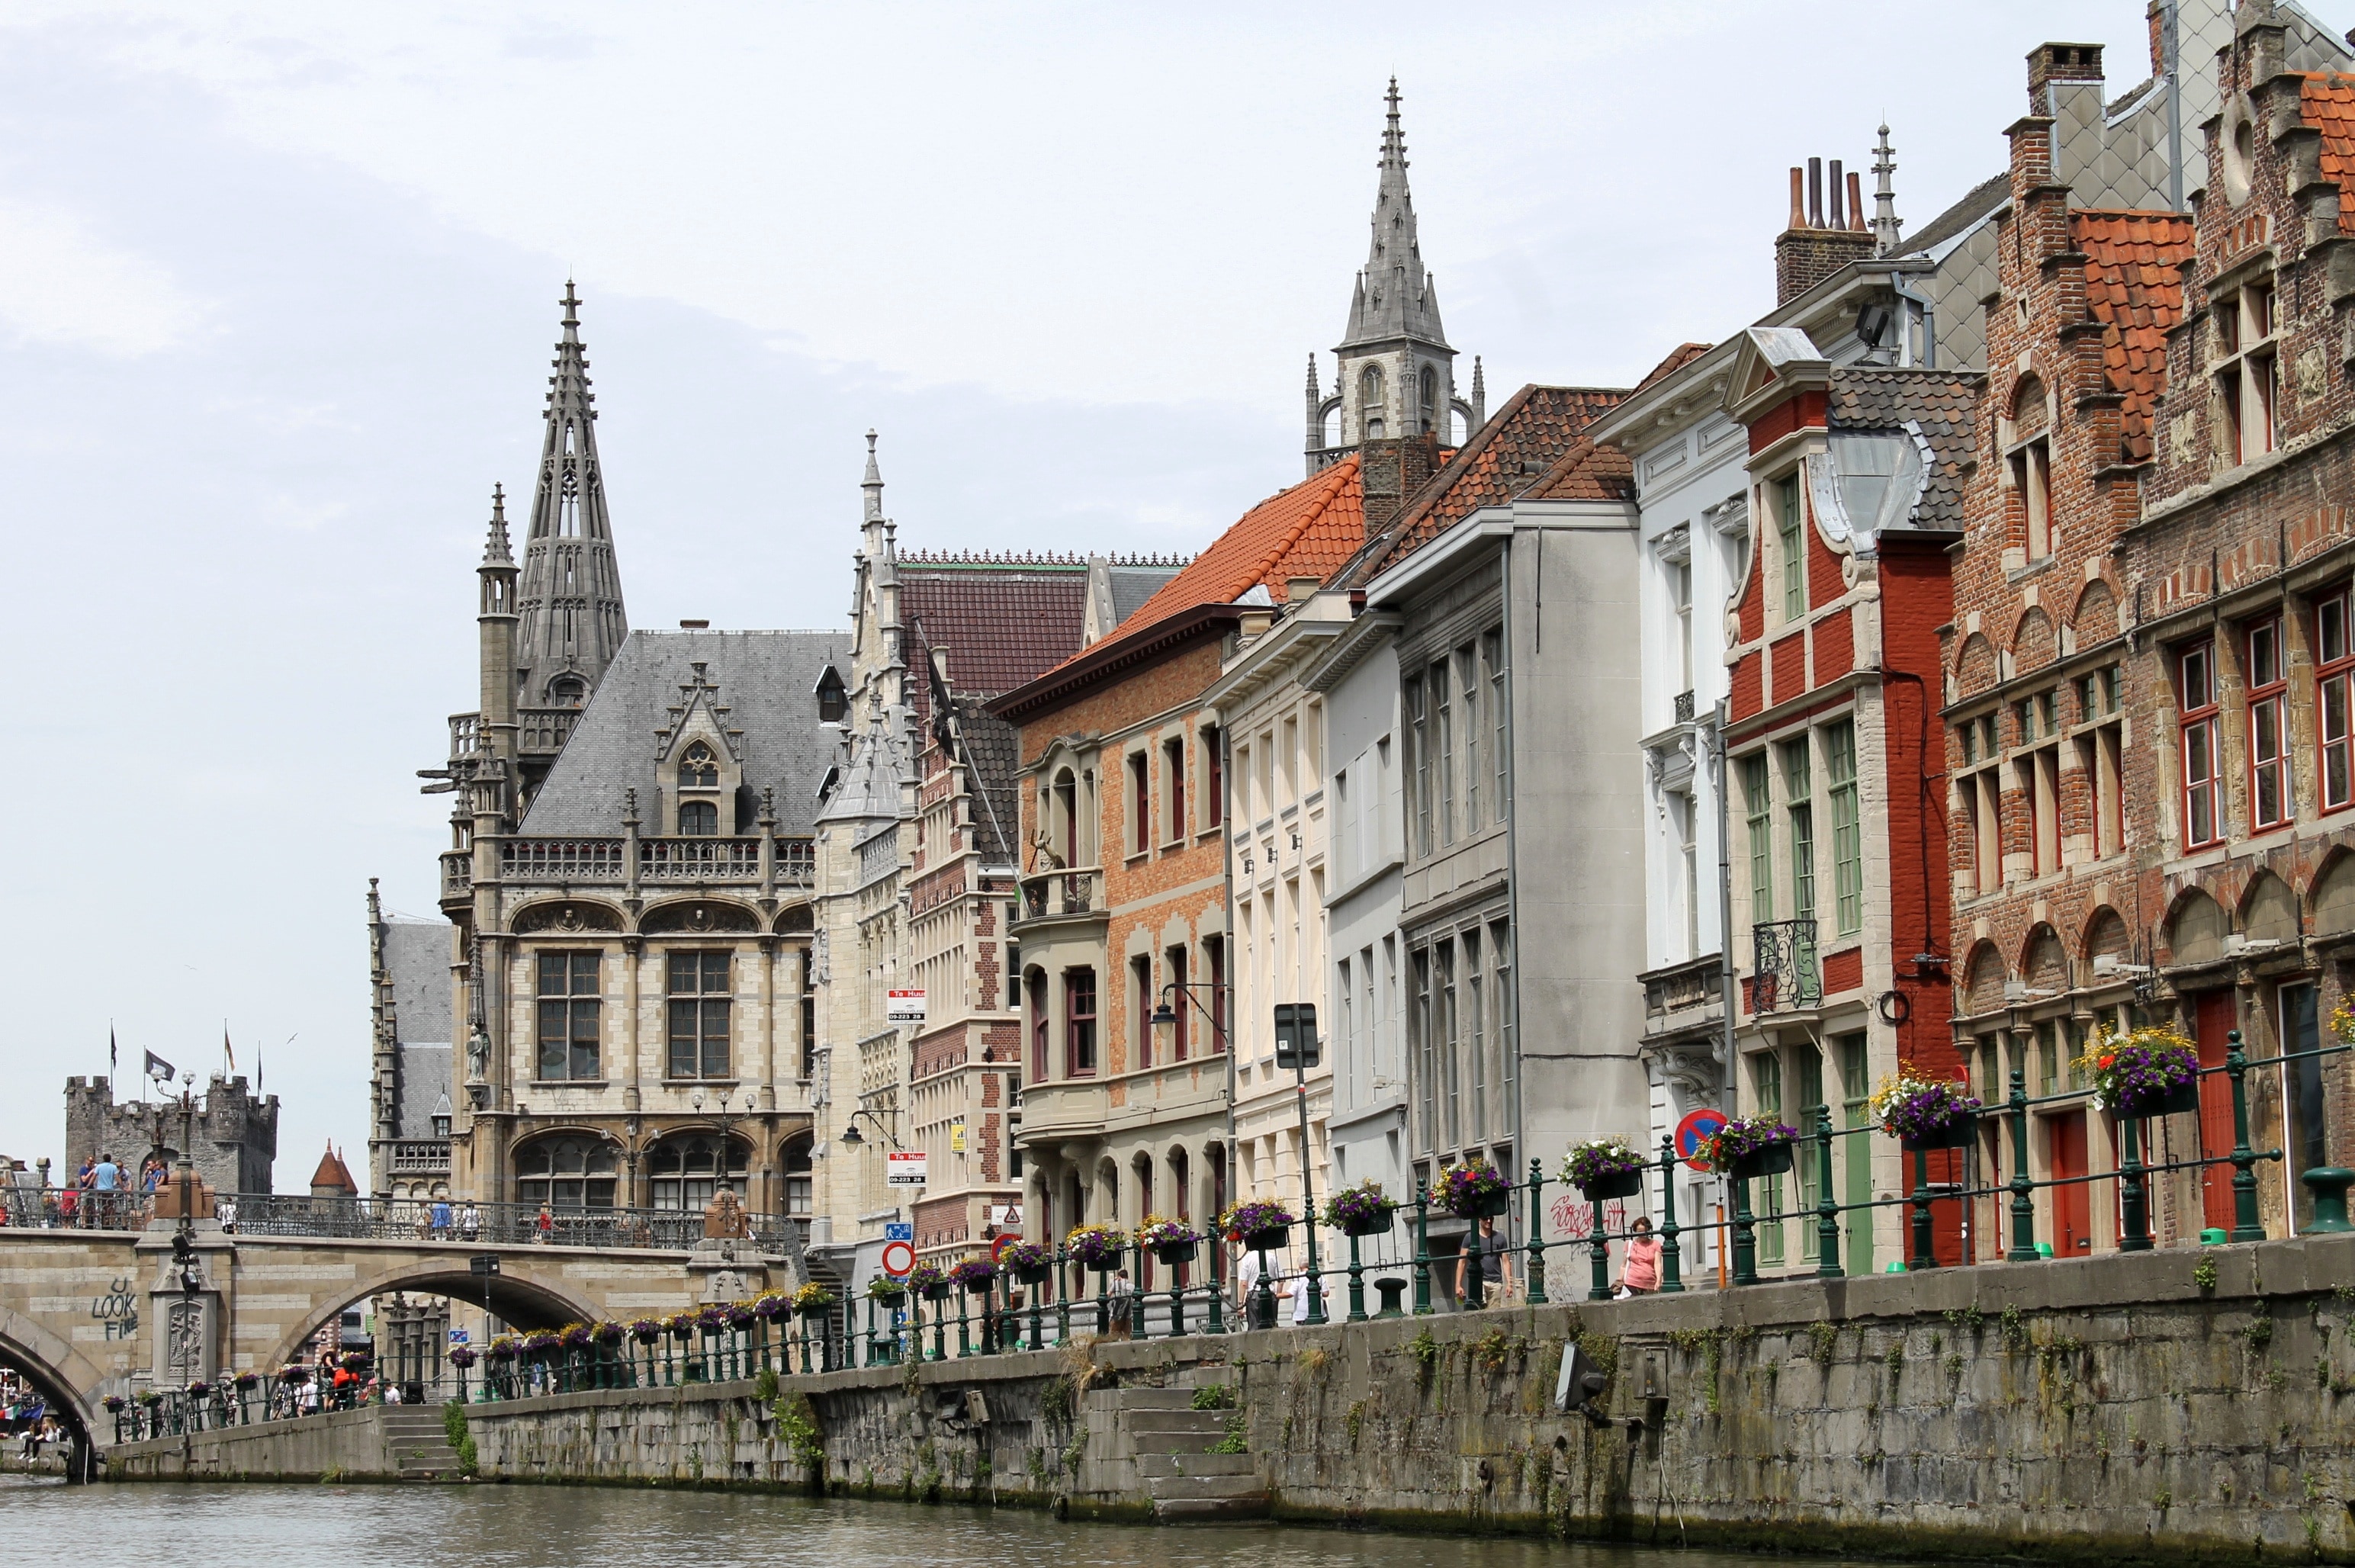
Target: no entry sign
<point x="898" y="1257"/>
<point x="1697" y="1126"/>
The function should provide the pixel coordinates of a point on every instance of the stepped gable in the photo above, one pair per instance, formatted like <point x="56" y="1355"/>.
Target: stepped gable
<point x="2134" y="287"/>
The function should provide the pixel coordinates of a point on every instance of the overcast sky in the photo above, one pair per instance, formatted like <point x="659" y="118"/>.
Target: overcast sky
<point x="277" y="292"/>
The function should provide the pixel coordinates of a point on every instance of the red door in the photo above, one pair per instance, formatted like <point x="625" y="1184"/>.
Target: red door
<point x="2073" y="1230"/>
<point x="2214" y="1018"/>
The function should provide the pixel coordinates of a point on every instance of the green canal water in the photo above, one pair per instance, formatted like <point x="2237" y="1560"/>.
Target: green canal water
<point x="172" y="1526"/>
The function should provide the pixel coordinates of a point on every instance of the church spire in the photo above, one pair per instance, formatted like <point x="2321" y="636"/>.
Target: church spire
<point x="571" y="596"/>
<point x="1394" y="297"/>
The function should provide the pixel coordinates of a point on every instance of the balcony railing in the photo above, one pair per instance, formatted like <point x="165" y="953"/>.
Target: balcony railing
<point x="1695" y="982"/>
<point x="427" y="1156"/>
<point x="1684" y="707"/>
<point x="1047" y="893"/>
<point x="571" y="861"/>
<point x="700" y="859"/>
<point x="575" y="862"/>
<point x="1785" y="974"/>
<point x="545" y="729"/>
<point x="464" y="729"/>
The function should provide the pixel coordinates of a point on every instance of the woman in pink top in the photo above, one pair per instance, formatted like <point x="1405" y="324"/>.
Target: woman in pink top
<point x="1641" y="1274"/>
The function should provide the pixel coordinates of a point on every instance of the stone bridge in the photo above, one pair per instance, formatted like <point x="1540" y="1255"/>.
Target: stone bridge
<point x="85" y="1314"/>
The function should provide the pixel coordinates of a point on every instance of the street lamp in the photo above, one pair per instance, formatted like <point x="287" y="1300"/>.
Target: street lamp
<point x="850" y="1135"/>
<point x="724" y="1115"/>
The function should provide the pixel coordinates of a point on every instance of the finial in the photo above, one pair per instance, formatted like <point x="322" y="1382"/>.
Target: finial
<point x="571" y="305"/>
<point x="1393" y="139"/>
<point x="873" y="483"/>
<point x="494" y="548"/>
<point x="1885" y="221"/>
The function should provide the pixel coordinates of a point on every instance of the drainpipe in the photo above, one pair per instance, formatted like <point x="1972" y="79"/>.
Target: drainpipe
<point x="1513" y="837"/>
<point x="1929" y="319"/>
<point x="1727" y="990"/>
<point x="2167" y="43"/>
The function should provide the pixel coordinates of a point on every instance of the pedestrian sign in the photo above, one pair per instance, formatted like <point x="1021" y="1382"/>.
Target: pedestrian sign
<point x="902" y="1231"/>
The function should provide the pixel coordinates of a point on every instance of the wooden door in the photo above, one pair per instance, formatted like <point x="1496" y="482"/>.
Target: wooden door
<point x="2073" y="1230"/>
<point x="2214" y="1018"/>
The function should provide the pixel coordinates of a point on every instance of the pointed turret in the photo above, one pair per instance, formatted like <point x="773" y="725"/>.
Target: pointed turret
<point x="571" y="596"/>
<point x="1394" y="297"/>
<point x="1885" y="221"/>
<point x="496" y="614"/>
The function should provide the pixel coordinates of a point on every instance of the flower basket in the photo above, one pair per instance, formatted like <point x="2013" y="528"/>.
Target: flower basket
<point x="1028" y="1261"/>
<point x="771" y="1305"/>
<point x="927" y="1281"/>
<point x="253" y="1380"/>
<point x="198" y="1389"/>
<point x="1474" y="1190"/>
<point x="885" y="1291"/>
<point x="681" y="1325"/>
<point x="2152" y="1071"/>
<point x="1603" y="1168"/>
<point x="1174" y="1242"/>
<point x="646" y="1330"/>
<point x="114" y="1403"/>
<point x="1260" y="1224"/>
<point x="974" y="1275"/>
<point x="1097" y="1247"/>
<point x="1751" y="1147"/>
<point x="461" y="1356"/>
<point x="609" y="1333"/>
<point x="1925" y="1112"/>
<point x="1360" y="1211"/>
<point x="813" y="1300"/>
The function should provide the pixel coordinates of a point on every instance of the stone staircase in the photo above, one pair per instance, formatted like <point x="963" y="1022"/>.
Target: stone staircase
<point x="416" y="1444"/>
<point x="1172" y="1443"/>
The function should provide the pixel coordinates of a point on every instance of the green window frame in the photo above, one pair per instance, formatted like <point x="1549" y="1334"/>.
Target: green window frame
<point x="1757" y="802"/>
<point x="1788" y="537"/>
<point x="1848" y="834"/>
<point x="1798" y="791"/>
<point x="1766" y="1078"/>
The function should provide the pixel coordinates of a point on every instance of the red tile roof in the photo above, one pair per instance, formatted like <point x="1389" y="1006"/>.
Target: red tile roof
<point x="333" y="1174"/>
<point x="1306" y="531"/>
<point x="1682" y="354"/>
<point x="2134" y="287"/>
<point x="2328" y="101"/>
<point x="1519" y="452"/>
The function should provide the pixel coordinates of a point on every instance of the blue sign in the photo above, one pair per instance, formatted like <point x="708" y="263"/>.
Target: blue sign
<point x="900" y="1232"/>
<point x="457" y="1336"/>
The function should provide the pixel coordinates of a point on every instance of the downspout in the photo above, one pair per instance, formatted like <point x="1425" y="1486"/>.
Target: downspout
<point x="1929" y="319"/>
<point x="2167" y="43"/>
<point x="1513" y="837"/>
<point x="1728" y="990"/>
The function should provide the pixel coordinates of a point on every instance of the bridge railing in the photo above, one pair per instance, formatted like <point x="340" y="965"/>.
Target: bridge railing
<point x="398" y="1218"/>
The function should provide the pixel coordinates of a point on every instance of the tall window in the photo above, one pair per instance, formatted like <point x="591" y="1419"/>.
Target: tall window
<point x="1443" y="746"/>
<point x="698" y="818"/>
<point x="1492" y="653"/>
<point x="1214" y="769"/>
<point x="1793" y="557"/>
<point x="1370" y="402"/>
<point x="2245" y="369"/>
<point x="1430" y="398"/>
<point x="684" y="1172"/>
<point x="2031" y="475"/>
<point x="1418" y="741"/>
<point x="2101" y="759"/>
<point x="1767" y="1079"/>
<point x="797" y="1176"/>
<point x="1426" y="1069"/>
<point x="1501" y="1008"/>
<point x="1041" y="1028"/>
<point x="1686" y="811"/>
<point x="1214" y="959"/>
<point x="1980" y="785"/>
<point x="1810" y="1063"/>
<point x="1182" y="1002"/>
<point x="1079" y="1023"/>
<point x="1848" y="838"/>
<point x="1476" y="1038"/>
<point x="1799" y="805"/>
<point x="1140" y="979"/>
<point x="2039" y="770"/>
<point x="2334" y="658"/>
<point x="2269" y="779"/>
<point x="1443" y="1042"/>
<point x="1173" y="768"/>
<point x="566" y="1173"/>
<point x="1759" y="809"/>
<point x="1467" y="669"/>
<point x="1140" y="804"/>
<point x="1680" y="611"/>
<point x="2195" y="677"/>
<point x="699" y="1015"/>
<point x="568" y="1016"/>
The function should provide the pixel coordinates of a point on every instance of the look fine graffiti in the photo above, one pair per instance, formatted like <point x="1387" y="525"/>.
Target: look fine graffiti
<point x="1572" y="1216"/>
<point x="118" y="1309"/>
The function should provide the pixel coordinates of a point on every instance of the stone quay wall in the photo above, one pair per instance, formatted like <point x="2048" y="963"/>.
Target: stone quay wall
<point x="2162" y="1406"/>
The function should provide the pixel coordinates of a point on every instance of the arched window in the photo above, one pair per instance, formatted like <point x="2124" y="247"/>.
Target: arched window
<point x="698" y="819"/>
<point x="566" y="691"/>
<point x="698" y="768"/>
<point x="572" y="1172"/>
<point x="686" y="1170"/>
<point x="1370" y="402"/>
<point x="1430" y="398"/>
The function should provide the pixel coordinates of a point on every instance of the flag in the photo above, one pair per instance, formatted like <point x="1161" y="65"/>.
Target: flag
<point x="227" y="1049"/>
<point x="158" y="1068"/>
<point x="109" y="1054"/>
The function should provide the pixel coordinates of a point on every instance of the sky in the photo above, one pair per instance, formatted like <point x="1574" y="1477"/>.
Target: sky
<point x="278" y="288"/>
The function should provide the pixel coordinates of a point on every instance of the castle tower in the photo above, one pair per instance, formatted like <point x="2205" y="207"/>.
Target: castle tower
<point x="571" y="623"/>
<point x="496" y="615"/>
<point x="1396" y="377"/>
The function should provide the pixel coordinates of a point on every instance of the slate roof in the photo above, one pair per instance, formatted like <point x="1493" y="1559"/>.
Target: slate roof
<point x="1306" y="531"/>
<point x="1518" y="452"/>
<point x="1977" y="203"/>
<point x="425" y="1090"/>
<point x="1133" y="586"/>
<point x="995" y="749"/>
<point x="1002" y="624"/>
<point x="2134" y="287"/>
<point x="764" y="679"/>
<point x="417" y="957"/>
<point x="1939" y="403"/>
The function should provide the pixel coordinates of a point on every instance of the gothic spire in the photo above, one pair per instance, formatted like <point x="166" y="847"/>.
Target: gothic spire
<point x="1885" y="221"/>
<point x="1394" y="296"/>
<point x="496" y="551"/>
<point x="571" y="596"/>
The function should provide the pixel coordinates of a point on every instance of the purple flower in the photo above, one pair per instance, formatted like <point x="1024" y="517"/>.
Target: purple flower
<point x="1254" y="1217"/>
<point x="972" y="1272"/>
<point x="1747" y="1137"/>
<point x="1025" y="1255"/>
<point x="1355" y="1206"/>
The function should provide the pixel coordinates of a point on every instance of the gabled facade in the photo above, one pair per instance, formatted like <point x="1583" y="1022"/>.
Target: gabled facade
<point x="1840" y="937"/>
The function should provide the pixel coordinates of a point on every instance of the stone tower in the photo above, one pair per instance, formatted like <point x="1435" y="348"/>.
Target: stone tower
<point x="235" y="1140"/>
<point x="1396" y="373"/>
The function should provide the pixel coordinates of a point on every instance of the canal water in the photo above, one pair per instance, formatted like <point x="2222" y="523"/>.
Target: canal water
<point x="170" y="1526"/>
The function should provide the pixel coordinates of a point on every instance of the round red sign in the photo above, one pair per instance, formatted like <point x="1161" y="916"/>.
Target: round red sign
<point x="1697" y="1126"/>
<point x="898" y="1257"/>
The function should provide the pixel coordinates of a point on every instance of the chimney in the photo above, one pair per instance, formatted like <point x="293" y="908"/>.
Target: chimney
<point x="2158" y="19"/>
<point x="2060" y="62"/>
<point x="695" y="626"/>
<point x="1812" y="249"/>
<point x="1391" y="471"/>
<point x="1299" y="589"/>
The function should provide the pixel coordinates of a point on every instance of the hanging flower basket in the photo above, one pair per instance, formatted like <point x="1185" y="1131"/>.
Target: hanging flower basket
<point x="681" y="1325"/>
<point x="974" y="1276"/>
<point x="1174" y="1242"/>
<point x="927" y="1281"/>
<point x="1028" y="1261"/>
<point x="1752" y="1148"/>
<point x="199" y="1389"/>
<point x="646" y="1330"/>
<point x="771" y="1305"/>
<point x="1925" y="1112"/>
<point x="293" y="1375"/>
<point x="150" y="1398"/>
<point x="461" y="1356"/>
<point x="885" y="1291"/>
<point x="1473" y="1190"/>
<point x="1360" y="1211"/>
<point x="813" y="1300"/>
<point x="253" y="1380"/>
<point x="1097" y="1247"/>
<point x="611" y="1333"/>
<point x="1260" y="1224"/>
<point x="113" y="1403"/>
<point x="2153" y="1071"/>
<point x="1604" y="1168"/>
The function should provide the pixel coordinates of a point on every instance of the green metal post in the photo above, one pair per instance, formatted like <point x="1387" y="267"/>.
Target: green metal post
<point x="2024" y="1201"/>
<point x="1828" y="1264"/>
<point x="1357" y="1283"/>
<point x="2246" y="1226"/>
<point x="1536" y="1292"/>
<point x="1925" y="1249"/>
<point x="1598" y="1253"/>
<point x="2132" y="1201"/>
<point x="964" y="1327"/>
<point x="1745" y="1236"/>
<point x="1421" y="1252"/>
<point x="1672" y="1255"/>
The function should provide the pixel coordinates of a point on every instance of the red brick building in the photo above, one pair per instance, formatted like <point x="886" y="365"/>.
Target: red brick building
<point x="1840" y="908"/>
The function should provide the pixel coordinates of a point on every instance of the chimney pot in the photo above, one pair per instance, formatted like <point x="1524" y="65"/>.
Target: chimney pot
<point x="695" y="626"/>
<point x="1798" y="199"/>
<point x="1815" y="193"/>
<point x="1856" y="202"/>
<point x="1838" y="215"/>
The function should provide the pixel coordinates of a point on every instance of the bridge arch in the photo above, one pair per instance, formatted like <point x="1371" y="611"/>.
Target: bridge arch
<point x="68" y="1382"/>
<point x="524" y="1301"/>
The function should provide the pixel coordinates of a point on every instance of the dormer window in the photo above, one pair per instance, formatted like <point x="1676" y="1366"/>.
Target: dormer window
<point x="442" y="1127"/>
<point x="833" y="702"/>
<point x="698" y="819"/>
<point x="698" y="768"/>
<point x="566" y="691"/>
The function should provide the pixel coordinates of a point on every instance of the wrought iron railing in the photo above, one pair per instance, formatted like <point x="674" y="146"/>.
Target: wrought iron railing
<point x="1068" y="891"/>
<point x="1684" y="707"/>
<point x="406" y="1219"/>
<point x="1784" y="973"/>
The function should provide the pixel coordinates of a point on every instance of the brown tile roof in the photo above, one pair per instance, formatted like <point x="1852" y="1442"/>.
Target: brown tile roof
<point x="1519" y="450"/>
<point x="1306" y="531"/>
<point x="2134" y="287"/>
<point x="1589" y="472"/>
<point x="1001" y="624"/>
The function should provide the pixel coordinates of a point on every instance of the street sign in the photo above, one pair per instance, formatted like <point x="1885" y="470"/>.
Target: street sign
<point x="457" y="1336"/>
<point x="898" y="1257"/>
<point x="903" y="1006"/>
<point x="904" y="1167"/>
<point x="1697" y="1126"/>
<point x="902" y="1231"/>
<point x="997" y="1248"/>
<point x="483" y="1264"/>
<point x="1295" y="1036"/>
<point x="1006" y="1216"/>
